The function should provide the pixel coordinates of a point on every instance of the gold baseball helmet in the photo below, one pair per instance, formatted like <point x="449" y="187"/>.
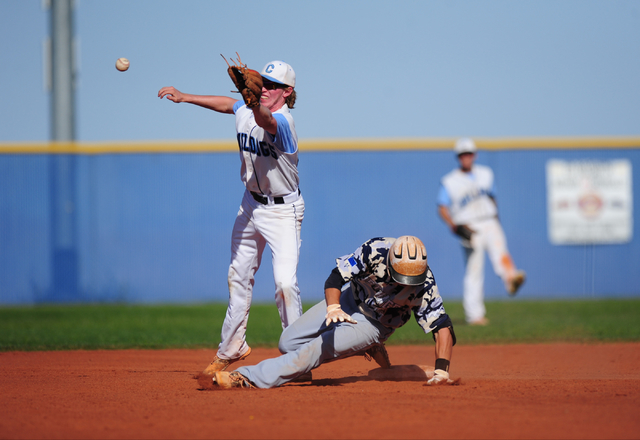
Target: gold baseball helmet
<point x="408" y="261"/>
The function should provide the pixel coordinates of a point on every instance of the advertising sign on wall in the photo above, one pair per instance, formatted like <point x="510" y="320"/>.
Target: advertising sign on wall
<point x="589" y="202"/>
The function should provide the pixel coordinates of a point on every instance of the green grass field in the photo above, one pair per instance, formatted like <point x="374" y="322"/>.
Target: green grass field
<point x="197" y="326"/>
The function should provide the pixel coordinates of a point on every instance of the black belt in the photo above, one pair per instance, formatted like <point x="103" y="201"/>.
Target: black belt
<point x="265" y="200"/>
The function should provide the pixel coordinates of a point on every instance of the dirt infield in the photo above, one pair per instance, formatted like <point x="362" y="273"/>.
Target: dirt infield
<point x="513" y="391"/>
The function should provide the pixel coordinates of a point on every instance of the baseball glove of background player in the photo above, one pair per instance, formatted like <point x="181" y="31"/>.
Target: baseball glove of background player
<point x="248" y="82"/>
<point x="464" y="231"/>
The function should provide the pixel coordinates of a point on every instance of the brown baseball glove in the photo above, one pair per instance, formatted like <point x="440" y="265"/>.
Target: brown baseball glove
<point x="247" y="81"/>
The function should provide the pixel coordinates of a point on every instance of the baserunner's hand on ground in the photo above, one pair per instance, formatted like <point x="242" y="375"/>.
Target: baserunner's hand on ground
<point x="335" y="314"/>
<point x="440" y="377"/>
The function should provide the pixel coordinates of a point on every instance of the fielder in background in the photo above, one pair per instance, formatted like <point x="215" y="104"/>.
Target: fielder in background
<point x="467" y="204"/>
<point x="272" y="208"/>
<point x="370" y="294"/>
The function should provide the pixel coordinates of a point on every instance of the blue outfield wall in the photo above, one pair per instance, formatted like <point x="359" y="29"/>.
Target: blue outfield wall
<point x="156" y="227"/>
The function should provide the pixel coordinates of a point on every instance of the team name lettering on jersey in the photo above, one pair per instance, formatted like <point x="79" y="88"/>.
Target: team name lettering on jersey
<point x="253" y="146"/>
<point x="480" y="192"/>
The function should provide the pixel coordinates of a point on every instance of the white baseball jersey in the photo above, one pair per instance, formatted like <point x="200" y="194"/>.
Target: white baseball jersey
<point x="269" y="162"/>
<point x="468" y="195"/>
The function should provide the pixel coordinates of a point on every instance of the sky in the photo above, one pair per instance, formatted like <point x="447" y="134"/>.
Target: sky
<point x="365" y="69"/>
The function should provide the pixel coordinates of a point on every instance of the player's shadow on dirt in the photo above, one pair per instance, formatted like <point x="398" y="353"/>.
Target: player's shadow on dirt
<point x="397" y="373"/>
<point x="332" y="382"/>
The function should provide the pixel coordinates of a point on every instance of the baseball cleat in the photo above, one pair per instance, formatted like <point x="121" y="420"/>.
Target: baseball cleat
<point x="516" y="282"/>
<point x="233" y="379"/>
<point x="218" y="364"/>
<point x="480" y="321"/>
<point x="378" y="353"/>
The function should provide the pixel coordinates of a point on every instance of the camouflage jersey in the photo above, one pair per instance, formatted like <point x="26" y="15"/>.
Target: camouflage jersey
<point x="381" y="298"/>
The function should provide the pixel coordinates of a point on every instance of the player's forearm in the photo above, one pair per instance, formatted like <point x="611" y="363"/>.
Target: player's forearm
<point x="264" y="118"/>
<point x="444" y="344"/>
<point x="446" y="217"/>
<point x="332" y="295"/>
<point x="444" y="348"/>
<point x="221" y="104"/>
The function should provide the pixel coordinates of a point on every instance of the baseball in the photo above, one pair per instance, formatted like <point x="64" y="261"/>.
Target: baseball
<point x="122" y="64"/>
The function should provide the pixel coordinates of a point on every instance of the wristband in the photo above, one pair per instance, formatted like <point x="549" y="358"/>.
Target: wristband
<point x="442" y="364"/>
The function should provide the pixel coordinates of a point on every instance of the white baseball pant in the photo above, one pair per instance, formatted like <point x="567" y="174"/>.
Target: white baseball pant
<point x="488" y="236"/>
<point x="257" y="225"/>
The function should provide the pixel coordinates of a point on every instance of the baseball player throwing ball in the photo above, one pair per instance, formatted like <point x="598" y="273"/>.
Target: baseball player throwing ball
<point x="369" y="294"/>
<point x="466" y="203"/>
<point x="272" y="207"/>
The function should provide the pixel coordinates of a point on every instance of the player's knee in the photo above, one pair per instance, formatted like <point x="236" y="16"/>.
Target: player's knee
<point x="286" y="344"/>
<point x="287" y="289"/>
<point x="234" y="278"/>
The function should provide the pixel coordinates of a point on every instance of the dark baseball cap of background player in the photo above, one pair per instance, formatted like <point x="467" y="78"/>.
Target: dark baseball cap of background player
<point x="465" y="150"/>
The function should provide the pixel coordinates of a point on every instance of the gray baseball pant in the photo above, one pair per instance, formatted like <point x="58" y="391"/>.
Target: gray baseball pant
<point x="308" y="343"/>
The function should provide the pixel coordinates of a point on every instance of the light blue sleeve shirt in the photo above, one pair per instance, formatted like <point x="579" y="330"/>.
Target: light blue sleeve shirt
<point x="283" y="139"/>
<point x="443" y="197"/>
<point x="237" y="105"/>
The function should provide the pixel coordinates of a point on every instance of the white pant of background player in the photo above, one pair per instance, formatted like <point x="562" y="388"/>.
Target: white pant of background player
<point x="488" y="237"/>
<point x="257" y="225"/>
